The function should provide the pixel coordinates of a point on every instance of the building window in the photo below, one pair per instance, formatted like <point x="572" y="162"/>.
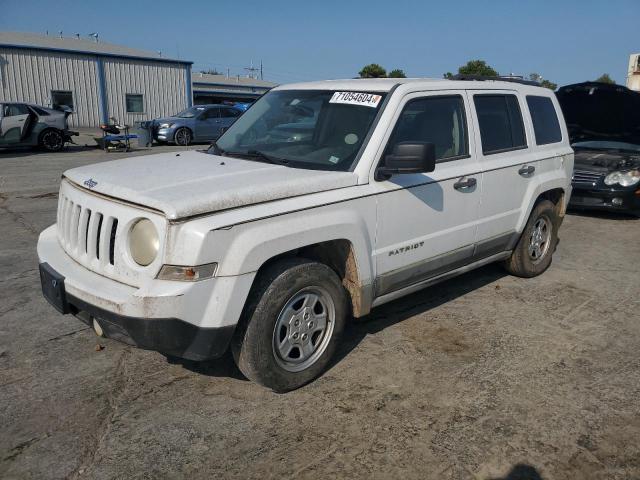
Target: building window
<point x="135" y="103"/>
<point x="61" y="98"/>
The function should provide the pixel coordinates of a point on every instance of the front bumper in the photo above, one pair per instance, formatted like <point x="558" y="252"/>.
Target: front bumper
<point x="170" y="336"/>
<point x="192" y="320"/>
<point x="623" y="200"/>
<point x="165" y="134"/>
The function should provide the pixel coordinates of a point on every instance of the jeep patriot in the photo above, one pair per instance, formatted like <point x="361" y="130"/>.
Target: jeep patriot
<point x="321" y="202"/>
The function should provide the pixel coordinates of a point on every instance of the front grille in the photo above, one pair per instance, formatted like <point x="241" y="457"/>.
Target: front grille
<point x="86" y="233"/>
<point x="585" y="177"/>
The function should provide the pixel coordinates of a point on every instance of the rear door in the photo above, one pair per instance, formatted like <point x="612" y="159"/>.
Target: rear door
<point x="14" y="123"/>
<point x="228" y="115"/>
<point x="427" y="222"/>
<point x="508" y="165"/>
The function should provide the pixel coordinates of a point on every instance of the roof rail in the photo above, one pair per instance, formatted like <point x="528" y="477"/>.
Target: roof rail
<point x="482" y="78"/>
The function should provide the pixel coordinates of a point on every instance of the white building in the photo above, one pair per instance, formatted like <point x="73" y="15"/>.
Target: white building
<point x="633" y="74"/>
<point x="98" y="80"/>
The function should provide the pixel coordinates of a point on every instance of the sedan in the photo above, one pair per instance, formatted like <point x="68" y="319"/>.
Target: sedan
<point x="200" y="123"/>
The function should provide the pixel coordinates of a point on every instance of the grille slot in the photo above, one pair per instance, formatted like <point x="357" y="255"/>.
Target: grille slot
<point x="85" y="233"/>
<point x="586" y="177"/>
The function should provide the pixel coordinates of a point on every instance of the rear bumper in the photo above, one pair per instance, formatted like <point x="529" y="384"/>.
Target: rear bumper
<point x="623" y="201"/>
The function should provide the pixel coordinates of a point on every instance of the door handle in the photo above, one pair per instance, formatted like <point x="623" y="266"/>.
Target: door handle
<point x="527" y="170"/>
<point x="465" y="184"/>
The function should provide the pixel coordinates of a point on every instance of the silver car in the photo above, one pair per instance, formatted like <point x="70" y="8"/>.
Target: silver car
<point x="200" y="123"/>
<point x="28" y="125"/>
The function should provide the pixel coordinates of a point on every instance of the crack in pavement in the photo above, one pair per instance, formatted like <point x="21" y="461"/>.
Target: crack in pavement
<point x="16" y="217"/>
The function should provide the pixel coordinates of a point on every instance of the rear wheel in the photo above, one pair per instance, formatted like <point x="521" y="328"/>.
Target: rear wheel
<point x="52" y="140"/>
<point x="534" y="250"/>
<point x="292" y="324"/>
<point x="183" y="136"/>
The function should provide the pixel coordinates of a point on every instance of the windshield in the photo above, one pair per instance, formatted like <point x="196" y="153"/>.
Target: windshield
<point x="315" y="129"/>
<point x="190" y="112"/>
<point x="607" y="145"/>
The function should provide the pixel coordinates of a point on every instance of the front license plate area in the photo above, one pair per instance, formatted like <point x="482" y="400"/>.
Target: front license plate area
<point x="53" y="288"/>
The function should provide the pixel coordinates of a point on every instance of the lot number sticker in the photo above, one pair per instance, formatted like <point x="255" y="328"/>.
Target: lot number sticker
<point x="356" y="98"/>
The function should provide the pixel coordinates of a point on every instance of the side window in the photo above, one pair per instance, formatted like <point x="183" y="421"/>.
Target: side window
<point x="501" y="125"/>
<point x="134" y="103"/>
<point x="62" y="98"/>
<point x="16" y="109"/>
<point x="211" y="114"/>
<point x="230" y="112"/>
<point x="545" y="120"/>
<point x="438" y="120"/>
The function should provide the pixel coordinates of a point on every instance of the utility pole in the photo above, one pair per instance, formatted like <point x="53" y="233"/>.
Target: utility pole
<point x="261" y="77"/>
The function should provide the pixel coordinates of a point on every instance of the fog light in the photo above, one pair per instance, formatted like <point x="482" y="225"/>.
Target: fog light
<point x="617" y="201"/>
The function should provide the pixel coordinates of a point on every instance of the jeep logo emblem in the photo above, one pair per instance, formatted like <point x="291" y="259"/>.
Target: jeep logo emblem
<point x="90" y="183"/>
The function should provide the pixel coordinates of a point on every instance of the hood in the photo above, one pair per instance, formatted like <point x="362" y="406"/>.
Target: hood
<point x="605" y="161"/>
<point x="183" y="184"/>
<point x="601" y="112"/>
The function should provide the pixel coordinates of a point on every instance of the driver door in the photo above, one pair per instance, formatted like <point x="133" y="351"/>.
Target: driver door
<point x="13" y="123"/>
<point x="427" y="222"/>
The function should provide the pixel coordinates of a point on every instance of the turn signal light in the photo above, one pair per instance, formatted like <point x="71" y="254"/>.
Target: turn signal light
<point x="187" y="274"/>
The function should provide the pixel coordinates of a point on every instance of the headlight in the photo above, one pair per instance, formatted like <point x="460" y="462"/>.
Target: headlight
<point x="166" y="125"/>
<point x="625" y="179"/>
<point x="144" y="242"/>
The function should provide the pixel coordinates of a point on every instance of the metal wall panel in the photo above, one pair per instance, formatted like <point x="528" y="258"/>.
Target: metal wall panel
<point x="163" y="86"/>
<point x="28" y="75"/>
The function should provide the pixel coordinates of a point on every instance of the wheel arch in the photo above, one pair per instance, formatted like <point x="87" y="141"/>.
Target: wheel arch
<point x="339" y="255"/>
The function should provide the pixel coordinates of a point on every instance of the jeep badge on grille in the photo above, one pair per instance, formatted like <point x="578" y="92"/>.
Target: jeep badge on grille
<point x="90" y="183"/>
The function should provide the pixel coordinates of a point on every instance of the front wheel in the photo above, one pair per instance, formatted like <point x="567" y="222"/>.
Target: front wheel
<point x="182" y="136"/>
<point x="52" y="140"/>
<point x="291" y="325"/>
<point x="533" y="253"/>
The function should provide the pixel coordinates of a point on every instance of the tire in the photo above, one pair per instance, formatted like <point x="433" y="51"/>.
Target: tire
<point x="183" y="136"/>
<point x="281" y="316"/>
<point x="51" y="140"/>
<point x="534" y="251"/>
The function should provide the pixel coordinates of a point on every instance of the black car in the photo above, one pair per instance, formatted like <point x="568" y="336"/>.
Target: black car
<point x="604" y="128"/>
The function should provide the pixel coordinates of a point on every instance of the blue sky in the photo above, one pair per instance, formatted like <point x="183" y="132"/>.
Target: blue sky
<point x="565" y="41"/>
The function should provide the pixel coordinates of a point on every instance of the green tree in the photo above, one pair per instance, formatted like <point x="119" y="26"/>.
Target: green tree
<point x="397" y="73"/>
<point x="477" y="67"/>
<point x="211" y="71"/>
<point x="373" y="70"/>
<point x="605" y="78"/>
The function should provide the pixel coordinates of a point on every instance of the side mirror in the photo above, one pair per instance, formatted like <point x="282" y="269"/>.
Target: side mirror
<point x="408" y="157"/>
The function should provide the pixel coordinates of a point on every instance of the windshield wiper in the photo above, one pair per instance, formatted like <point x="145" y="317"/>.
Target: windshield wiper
<point x="257" y="154"/>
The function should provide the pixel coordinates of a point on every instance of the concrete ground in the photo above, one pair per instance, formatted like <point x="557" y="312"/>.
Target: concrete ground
<point x="484" y="377"/>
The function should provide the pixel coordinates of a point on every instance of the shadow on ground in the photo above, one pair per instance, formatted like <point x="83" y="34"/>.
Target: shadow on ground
<point x="521" y="471"/>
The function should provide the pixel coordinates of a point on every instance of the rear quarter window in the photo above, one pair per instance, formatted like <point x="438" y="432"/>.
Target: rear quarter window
<point x="546" y="125"/>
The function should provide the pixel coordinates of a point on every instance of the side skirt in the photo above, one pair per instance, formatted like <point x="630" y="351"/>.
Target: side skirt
<point x="439" y="278"/>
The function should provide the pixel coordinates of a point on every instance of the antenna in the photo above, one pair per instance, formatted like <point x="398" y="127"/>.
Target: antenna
<point x="60" y="33"/>
<point x="95" y="36"/>
<point x="78" y="36"/>
<point x="251" y="69"/>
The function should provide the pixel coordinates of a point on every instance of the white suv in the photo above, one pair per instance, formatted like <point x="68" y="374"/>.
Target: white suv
<point x="322" y="201"/>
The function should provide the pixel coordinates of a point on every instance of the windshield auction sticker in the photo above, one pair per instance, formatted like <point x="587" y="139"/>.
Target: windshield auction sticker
<point x="356" y="98"/>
